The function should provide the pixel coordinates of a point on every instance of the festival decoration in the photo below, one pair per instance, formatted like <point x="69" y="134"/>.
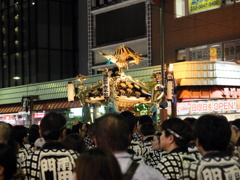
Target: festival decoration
<point x="118" y="91"/>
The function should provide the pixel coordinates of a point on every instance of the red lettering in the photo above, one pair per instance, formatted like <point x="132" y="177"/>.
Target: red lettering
<point x="194" y="107"/>
<point x="199" y="107"/>
<point x="215" y="106"/>
<point x="220" y="106"/>
<point x="205" y="107"/>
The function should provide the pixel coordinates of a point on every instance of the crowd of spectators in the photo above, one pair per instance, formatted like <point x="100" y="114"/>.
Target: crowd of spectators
<point x="121" y="146"/>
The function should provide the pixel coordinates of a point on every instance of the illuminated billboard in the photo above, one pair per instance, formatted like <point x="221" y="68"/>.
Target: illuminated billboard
<point x="195" y="6"/>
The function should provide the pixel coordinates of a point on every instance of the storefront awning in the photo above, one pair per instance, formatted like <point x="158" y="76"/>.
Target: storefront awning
<point x="40" y="106"/>
<point x="10" y="108"/>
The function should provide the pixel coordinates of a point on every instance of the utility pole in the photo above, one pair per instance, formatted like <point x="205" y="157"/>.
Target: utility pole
<point x="163" y="111"/>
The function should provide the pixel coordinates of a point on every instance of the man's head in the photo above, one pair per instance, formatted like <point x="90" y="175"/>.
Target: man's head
<point x="212" y="132"/>
<point x="147" y="129"/>
<point x="5" y="132"/>
<point x="53" y="126"/>
<point x="8" y="161"/>
<point x="112" y="132"/>
<point x="235" y="134"/>
<point x="19" y="134"/>
<point x="142" y="120"/>
<point x="175" y="133"/>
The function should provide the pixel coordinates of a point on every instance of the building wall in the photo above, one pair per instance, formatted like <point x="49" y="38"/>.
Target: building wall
<point x="37" y="41"/>
<point x="208" y="27"/>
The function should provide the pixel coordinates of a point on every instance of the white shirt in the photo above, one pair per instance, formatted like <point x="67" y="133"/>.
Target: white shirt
<point x="143" y="171"/>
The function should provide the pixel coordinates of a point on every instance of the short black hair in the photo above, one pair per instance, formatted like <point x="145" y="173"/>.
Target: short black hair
<point x="213" y="132"/>
<point x="236" y="123"/>
<point x="112" y="132"/>
<point x="181" y="131"/>
<point x="18" y="133"/>
<point x="145" y="119"/>
<point x="147" y="129"/>
<point x="52" y="126"/>
<point x="8" y="160"/>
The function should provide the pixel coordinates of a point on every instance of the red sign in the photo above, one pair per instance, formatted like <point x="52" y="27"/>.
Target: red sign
<point x="38" y="115"/>
<point x="204" y="107"/>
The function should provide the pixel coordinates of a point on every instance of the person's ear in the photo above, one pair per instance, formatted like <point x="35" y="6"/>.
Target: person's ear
<point x="1" y="170"/>
<point x="171" y="139"/>
<point x="64" y="132"/>
<point x="40" y="132"/>
<point x="199" y="147"/>
<point x="95" y="141"/>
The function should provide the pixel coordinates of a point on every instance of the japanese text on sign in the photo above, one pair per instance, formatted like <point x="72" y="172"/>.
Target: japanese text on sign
<point x="201" y="5"/>
<point x="203" y="107"/>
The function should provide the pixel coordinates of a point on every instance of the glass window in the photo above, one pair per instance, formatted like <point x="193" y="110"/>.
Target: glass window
<point x="67" y="64"/>
<point x="43" y="67"/>
<point x="5" y="71"/>
<point x="42" y="24"/>
<point x="180" y="8"/>
<point x="55" y="65"/>
<point x="25" y="72"/>
<point x="54" y="25"/>
<point x="181" y="55"/>
<point x="33" y="67"/>
<point x="229" y="51"/>
<point x="25" y="26"/>
<point x="212" y="52"/>
<point x="108" y="30"/>
<point x="12" y="70"/>
<point x="66" y="27"/>
<point x="237" y="50"/>
<point x="19" y="69"/>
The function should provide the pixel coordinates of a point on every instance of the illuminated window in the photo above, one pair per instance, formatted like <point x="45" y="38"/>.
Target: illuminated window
<point x="180" y="8"/>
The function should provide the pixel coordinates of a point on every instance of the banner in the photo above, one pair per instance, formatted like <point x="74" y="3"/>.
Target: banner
<point x="211" y="106"/>
<point x="196" y="6"/>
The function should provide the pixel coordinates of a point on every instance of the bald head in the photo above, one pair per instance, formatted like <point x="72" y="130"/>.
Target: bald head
<point x="5" y="132"/>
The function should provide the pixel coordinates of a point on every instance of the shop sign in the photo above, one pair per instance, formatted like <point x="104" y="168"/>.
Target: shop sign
<point x="204" y="107"/>
<point x="213" y="54"/>
<point x="196" y="6"/>
<point x="38" y="115"/>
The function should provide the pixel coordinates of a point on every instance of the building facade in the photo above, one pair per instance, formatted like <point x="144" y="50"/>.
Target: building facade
<point x="37" y="41"/>
<point x="51" y="40"/>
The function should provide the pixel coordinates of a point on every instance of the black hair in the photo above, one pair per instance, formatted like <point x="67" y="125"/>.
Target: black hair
<point x="130" y="119"/>
<point x="76" y="127"/>
<point x="8" y="160"/>
<point x="213" y="132"/>
<point x="236" y="123"/>
<point x="112" y="132"/>
<point x="105" y="165"/>
<point x="181" y="131"/>
<point x="145" y="119"/>
<point x="191" y="121"/>
<point x="75" y="142"/>
<point x="33" y="133"/>
<point x="147" y="129"/>
<point x="127" y="114"/>
<point x="18" y="133"/>
<point x="52" y="126"/>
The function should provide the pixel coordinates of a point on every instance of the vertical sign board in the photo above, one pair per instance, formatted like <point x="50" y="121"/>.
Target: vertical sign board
<point x="196" y="6"/>
<point x="106" y="89"/>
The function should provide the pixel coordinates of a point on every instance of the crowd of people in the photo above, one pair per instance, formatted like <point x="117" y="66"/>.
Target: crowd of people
<point x="122" y="146"/>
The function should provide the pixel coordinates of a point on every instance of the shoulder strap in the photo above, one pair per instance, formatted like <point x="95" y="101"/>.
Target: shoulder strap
<point x="130" y="172"/>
